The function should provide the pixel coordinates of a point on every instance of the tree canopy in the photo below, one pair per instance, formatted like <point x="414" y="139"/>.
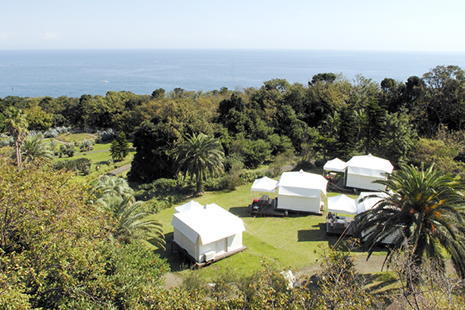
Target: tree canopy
<point x="200" y="156"/>
<point x="424" y="211"/>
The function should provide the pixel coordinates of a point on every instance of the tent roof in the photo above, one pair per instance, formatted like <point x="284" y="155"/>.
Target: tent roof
<point x="210" y="224"/>
<point x="335" y="165"/>
<point x="369" y="165"/>
<point x="368" y="203"/>
<point x="264" y="184"/>
<point x="342" y="204"/>
<point x="191" y="205"/>
<point x="302" y="180"/>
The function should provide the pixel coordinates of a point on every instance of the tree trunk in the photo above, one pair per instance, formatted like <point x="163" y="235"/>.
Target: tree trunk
<point x="199" y="185"/>
<point x="18" y="153"/>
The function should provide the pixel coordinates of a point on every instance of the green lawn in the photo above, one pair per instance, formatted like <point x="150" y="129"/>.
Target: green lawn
<point x="100" y="156"/>
<point x="290" y="242"/>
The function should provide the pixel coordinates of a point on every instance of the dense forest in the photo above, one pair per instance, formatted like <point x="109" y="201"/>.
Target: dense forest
<point x="48" y="261"/>
<point x="406" y="122"/>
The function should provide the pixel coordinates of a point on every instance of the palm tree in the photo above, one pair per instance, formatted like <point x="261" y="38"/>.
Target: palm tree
<point x="200" y="156"/>
<point x="17" y="126"/>
<point x="132" y="221"/>
<point x="112" y="185"/>
<point x="35" y="149"/>
<point x="425" y="211"/>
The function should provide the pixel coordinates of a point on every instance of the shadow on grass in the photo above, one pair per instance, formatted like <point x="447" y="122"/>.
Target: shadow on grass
<point x="176" y="261"/>
<point x="240" y="211"/>
<point x="308" y="235"/>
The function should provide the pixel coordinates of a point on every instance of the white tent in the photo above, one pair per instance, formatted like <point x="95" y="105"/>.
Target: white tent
<point x="264" y="184"/>
<point x="208" y="233"/>
<point x="336" y="165"/>
<point x="191" y="205"/>
<point x="342" y="204"/>
<point x="363" y="170"/>
<point x="368" y="203"/>
<point x="301" y="191"/>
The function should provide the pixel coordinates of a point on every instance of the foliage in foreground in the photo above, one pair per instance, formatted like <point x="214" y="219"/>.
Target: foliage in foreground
<point x="131" y="219"/>
<point x="336" y="286"/>
<point x="56" y="250"/>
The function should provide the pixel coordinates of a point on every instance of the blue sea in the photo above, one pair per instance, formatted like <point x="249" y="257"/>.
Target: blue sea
<point x="34" y="73"/>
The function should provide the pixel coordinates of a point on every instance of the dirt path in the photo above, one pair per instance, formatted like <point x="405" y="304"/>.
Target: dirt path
<point x="172" y="280"/>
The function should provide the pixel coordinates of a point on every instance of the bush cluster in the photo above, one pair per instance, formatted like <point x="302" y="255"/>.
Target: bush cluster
<point x="80" y="165"/>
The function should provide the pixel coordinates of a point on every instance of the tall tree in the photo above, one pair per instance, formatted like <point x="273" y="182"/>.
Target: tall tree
<point x="424" y="211"/>
<point x="347" y="140"/>
<point x="17" y="126"/>
<point x="374" y="122"/>
<point x="154" y="141"/>
<point x="119" y="147"/>
<point x="200" y="156"/>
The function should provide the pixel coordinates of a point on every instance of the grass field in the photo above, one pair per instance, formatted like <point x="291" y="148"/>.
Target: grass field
<point x="291" y="242"/>
<point x="100" y="155"/>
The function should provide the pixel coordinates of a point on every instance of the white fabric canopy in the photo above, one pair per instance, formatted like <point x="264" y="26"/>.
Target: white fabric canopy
<point x="342" y="204"/>
<point x="369" y="165"/>
<point x="264" y="184"/>
<point x="301" y="184"/>
<point x="335" y="165"/>
<point x="191" y="205"/>
<point x="210" y="224"/>
<point x="368" y="203"/>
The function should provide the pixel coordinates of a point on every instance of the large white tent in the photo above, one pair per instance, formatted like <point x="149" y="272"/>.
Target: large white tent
<point x="363" y="170"/>
<point x="301" y="191"/>
<point x="336" y="165"/>
<point x="342" y="204"/>
<point x="208" y="233"/>
<point x="191" y="205"/>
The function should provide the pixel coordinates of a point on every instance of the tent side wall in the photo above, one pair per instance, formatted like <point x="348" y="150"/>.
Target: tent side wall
<point x="185" y="243"/>
<point x="197" y="250"/>
<point x="295" y="203"/>
<point x="364" y="182"/>
<point x="218" y="247"/>
<point x="234" y="242"/>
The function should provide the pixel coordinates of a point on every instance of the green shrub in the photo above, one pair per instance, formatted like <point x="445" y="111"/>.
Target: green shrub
<point x="320" y="162"/>
<point x="166" y="191"/>
<point x="81" y="165"/>
<point x="215" y="184"/>
<point x="67" y="150"/>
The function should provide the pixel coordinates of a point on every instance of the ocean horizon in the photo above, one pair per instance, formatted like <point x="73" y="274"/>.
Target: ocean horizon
<point x="73" y="73"/>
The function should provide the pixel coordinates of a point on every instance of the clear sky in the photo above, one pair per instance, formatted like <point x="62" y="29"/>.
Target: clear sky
<point x="403" y="25"/>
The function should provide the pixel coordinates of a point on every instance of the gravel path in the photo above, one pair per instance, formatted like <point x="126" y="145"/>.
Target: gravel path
<point x="120" y="169"/>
